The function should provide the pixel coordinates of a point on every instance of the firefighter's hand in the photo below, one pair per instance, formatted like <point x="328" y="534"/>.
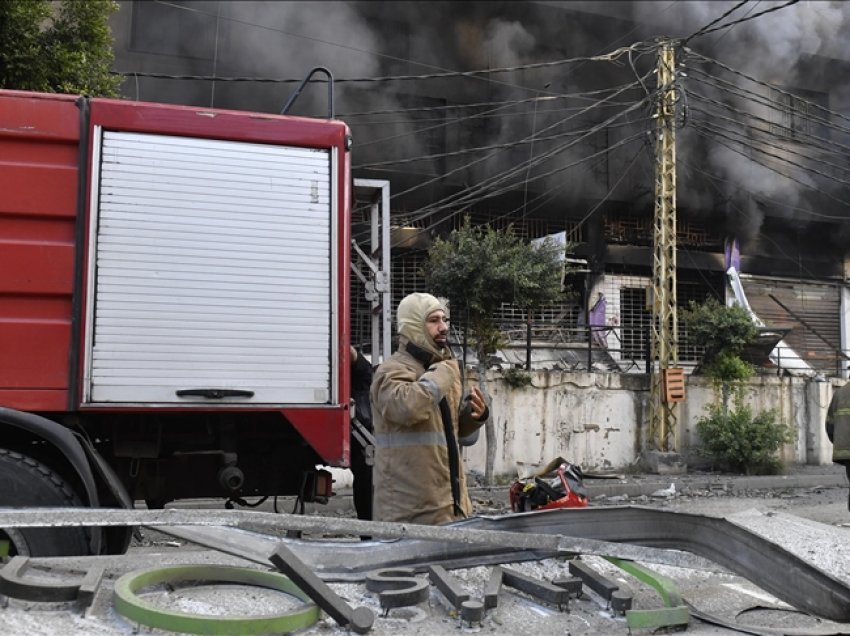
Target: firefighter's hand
<point x="477" y="405"/>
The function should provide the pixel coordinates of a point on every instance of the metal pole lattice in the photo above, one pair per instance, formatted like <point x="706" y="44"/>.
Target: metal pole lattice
<point x="664" y="350"/>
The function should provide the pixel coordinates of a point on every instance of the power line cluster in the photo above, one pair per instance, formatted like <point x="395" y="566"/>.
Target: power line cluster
<point x="797" y="139"/>
<point x="568" y="133"/>
<point x="706" y="29"/>
<point x="724" y="106"/>
<point x="794" y="138"/>
<point x="517" y="174"/>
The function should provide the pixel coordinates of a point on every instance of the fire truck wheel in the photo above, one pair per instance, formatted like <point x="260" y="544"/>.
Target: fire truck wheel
<point x="29" y="483"/>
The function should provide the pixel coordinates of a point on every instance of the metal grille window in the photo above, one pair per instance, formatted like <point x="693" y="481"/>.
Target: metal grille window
<point x="796" y="112"/>
<point x="553" y="323"/>
<point x="635" y="319"/>
<point x="637" y="230"/>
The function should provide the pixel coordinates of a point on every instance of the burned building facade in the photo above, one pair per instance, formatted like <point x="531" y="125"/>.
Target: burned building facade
<point x="541" y="115"/>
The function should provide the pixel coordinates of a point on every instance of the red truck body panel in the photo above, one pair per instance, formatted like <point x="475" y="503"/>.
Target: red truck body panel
<point x="39" y="172"/>
<point x="46" y="186"/>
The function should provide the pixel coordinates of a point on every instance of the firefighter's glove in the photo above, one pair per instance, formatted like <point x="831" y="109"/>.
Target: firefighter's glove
<point x="475" y="405"/>
<point x="440" y="377"/>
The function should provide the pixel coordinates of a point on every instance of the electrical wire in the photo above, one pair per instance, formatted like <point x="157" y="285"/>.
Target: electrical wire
<point x="770" y="86"/>
<point x="444" y="73"/>
<point x="551" y="193"/>
<point x="756" y="98"/>
<point x="484" y="114"/>
<point x="712" y="178"/>
<point x="515" y="102"/>
<point x="427" y="210"/>
<point x="552" y="172"/>
<point x="475" y="197"/>
<point x="732" y="135"/>
<point x="442" y="219"/>
<point x="495" y="193"/>
<point x="495" y="187"/>
<point x="443" y="124"/>
<point x="494" y="116"/>
<point x="759" y="196"/>
<point x="764" y="141"/>
<point x="635" y="71"/>
<point x="503" y="189"/>
<point x="387" y="78"/>
<point x="708" y="134"/>
<point x="468" y="150"/>
<point x="728" y="31"/>
<point x="824" y="144"/>
<point x="742" y="20"/>
<point x="713" y="22"/>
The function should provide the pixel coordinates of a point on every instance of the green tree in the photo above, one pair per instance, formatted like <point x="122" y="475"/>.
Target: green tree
<point x="729" y="430"/>
<point x="720" y="330"/>
<point x="57" y="47"/>
<point x="478" y="269"/>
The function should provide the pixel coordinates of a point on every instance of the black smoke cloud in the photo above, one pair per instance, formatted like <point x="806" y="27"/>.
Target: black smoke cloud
<point x="790" y="47"/>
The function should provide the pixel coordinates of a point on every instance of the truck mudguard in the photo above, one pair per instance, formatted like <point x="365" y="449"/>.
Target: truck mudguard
<point x="65" y="441"/>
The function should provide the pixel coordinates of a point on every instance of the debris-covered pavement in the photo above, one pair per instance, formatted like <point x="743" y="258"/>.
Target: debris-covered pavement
<point x="807" y="519"/>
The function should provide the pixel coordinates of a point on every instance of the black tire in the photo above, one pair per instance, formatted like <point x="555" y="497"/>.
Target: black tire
<point x="25" y="483"/>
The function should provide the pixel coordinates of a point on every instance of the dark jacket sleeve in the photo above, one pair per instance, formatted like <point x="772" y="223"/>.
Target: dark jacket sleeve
<point x="361" y="380"/>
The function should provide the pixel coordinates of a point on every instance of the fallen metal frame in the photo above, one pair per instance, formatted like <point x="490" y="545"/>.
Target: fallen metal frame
<point x="141" y="611"/>
<point x="14" y="584"/>
<point x="755" y="558"/>
<point x="674" y="613"/>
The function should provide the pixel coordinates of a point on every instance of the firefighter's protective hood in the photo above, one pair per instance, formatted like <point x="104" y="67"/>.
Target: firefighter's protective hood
<point x="413" y="312"/>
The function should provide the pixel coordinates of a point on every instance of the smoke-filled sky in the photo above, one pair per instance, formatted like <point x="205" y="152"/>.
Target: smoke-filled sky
<point x="787" y="47"/>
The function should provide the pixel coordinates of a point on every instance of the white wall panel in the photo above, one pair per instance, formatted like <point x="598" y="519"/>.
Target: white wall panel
<point x="213" y="270"/>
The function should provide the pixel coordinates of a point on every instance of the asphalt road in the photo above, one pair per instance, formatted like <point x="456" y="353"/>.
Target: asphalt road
<point x="821" y="511"/>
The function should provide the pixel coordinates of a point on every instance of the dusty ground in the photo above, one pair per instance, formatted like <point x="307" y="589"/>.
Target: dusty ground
<point x="819" y="515"/>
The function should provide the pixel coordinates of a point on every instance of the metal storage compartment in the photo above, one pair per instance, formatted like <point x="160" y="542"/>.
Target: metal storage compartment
<point x="210" y="270"/>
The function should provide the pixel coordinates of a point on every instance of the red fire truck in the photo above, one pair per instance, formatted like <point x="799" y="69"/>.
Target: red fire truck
<point x="174" y="306"/>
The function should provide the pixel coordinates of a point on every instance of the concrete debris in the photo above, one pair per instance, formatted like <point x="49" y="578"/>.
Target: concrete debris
<point x="665" y="493"/>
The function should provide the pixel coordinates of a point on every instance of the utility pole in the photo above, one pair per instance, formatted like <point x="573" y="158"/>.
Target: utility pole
<point x="666" y="379"/>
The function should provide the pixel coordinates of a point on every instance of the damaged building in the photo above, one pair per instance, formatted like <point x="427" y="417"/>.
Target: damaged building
<point x="541" y="115"/>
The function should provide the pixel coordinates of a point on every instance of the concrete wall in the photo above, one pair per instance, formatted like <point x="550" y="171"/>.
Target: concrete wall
<point x="599" y="420"/>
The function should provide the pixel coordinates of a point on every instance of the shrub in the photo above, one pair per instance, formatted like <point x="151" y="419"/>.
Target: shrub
<point x="743" y="442"/>
<point x="729" y="368"/>
<point x="736" y="438"/>
<point x="516" y="378"/>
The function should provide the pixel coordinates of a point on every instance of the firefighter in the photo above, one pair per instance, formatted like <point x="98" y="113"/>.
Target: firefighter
<point x="419" y="413"/>
<point x="838" y="428"/>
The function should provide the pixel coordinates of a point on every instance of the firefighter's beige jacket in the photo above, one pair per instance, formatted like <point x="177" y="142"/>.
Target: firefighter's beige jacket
<point x="411" y="471"/>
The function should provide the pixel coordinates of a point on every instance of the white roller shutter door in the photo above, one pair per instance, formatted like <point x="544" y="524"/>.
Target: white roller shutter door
<point x="212" y="270"/>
